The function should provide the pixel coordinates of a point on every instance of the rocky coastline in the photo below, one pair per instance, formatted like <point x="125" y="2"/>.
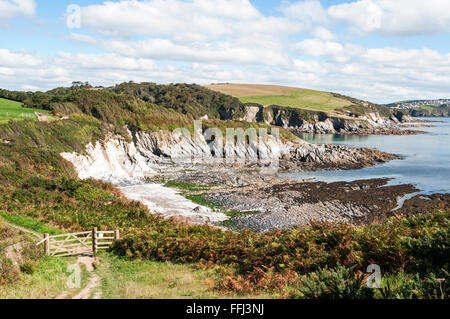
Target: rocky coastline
<point x="286" y="205"/>
<point x="249" y="184"/>
<point x="342" y="123"/>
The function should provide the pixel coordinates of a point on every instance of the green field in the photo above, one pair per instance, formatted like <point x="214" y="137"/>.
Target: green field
<point x="304" y="99"/>
<point x="282" y="96"/>
<point x="428" y="107"/>
<point x="14" y="110"/>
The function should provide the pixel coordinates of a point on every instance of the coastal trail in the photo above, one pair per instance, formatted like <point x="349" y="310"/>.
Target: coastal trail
<point x="22" y="229"/>
<point x="93" y="289"/>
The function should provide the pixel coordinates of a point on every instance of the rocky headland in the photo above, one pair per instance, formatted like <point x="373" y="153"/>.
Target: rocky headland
<point x="147" y="158"/>
<point x="344" y="123"/>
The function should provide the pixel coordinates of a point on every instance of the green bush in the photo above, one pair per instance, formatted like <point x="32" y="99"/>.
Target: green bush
<point x="430" y="252"/>
<point x="412" y="286"/>
<point x="335" y="283"/>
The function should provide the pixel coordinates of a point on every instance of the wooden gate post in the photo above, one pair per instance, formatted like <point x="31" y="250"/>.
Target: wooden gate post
<point x="116" y="235"/>
<point x="94" y="240"/>
<point x="47" y="244"/>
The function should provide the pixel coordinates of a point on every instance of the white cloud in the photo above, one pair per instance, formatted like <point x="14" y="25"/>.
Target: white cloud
<point x="183" y="21"/>
<point x="224" y="52"/>
<point x="323" y="34"/>
<point x="209" y="31"/>
<point x="377" y="74"/>
<point x="395" y="18"/>
<point x="17" y="59"/>
<point x="316" y="47"/>
<point x="308" y="12"/>
<point x="206" y="41"/>
<point x="12" y="8"/>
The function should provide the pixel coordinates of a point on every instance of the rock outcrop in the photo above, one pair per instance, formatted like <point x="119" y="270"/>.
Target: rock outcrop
<point x="304" y="121"/>
<point x="286" y="205"/>
<point x="147" y="155"/>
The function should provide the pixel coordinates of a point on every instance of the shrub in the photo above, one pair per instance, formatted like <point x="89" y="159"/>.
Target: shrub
<point x="336" y="283"/>
<point x="412" y="286"/>
<point x="256" y="281"/>
<point x="430" y="252"/>
<point x="29" y="267"/>
<point x="8" y="273"/>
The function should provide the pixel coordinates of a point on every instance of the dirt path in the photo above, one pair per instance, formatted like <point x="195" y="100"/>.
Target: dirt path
<point x="37" y="235"/>
<point x="92" y="289"/>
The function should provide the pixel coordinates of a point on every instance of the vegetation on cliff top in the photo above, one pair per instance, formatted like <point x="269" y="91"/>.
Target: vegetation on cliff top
<point x="304" y="99"/>
<point x="296" y="98"/>
<point x="115" y="103"/>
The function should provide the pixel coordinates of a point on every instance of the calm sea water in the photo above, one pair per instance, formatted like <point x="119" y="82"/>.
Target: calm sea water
<point x="426" y="162"/>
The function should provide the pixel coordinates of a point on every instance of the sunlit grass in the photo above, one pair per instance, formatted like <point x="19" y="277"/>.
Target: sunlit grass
<point x="304" y="99"/>
<point x="14" y="110"/>
<point x="123" y="278"/>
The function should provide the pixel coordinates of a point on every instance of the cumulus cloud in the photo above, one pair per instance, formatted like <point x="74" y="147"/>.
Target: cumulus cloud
<point x="219" y="31"/>
<point x="166" y="49"/>
<point x="317" y="47"/>
<point x="394" y="18"/>
<point x="15" y="59"/>
<point x="12" y="8"/>
<point x="196" y="20"/>
<point x="323" y="34"/>
<point x="377" y="74"/>
<point x="308" y="11"/>
<point x="204" y="41"/>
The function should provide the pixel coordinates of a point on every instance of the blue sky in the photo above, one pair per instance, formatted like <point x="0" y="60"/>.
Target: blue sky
<point x="379" y="50"/>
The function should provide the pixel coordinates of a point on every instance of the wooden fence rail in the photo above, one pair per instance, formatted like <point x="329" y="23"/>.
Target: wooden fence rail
<point x="89" y="242"/>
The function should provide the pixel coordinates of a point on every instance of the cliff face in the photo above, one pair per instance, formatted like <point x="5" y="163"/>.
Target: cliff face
<point x="437" y="112"/>
<point x="118" y="161"/>
<point x="319" y="122"/>
<point x="149" y="155"/>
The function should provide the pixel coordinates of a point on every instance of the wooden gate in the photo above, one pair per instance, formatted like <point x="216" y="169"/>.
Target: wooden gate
<point x="88" y="242"/>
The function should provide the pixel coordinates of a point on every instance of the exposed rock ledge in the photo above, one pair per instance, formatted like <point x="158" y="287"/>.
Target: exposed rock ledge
<point x="303" y="121"/>
<point x="151" y="154"/>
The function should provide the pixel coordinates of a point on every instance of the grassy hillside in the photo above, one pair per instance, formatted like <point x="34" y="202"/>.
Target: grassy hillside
<point x="13" y="110"/>
<point x="282" y="96"/>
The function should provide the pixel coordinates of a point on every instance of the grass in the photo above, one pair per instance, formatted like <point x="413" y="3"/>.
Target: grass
<point x="200" y="200"/>
<point x="123" y="278"/>
<point x="235" y="213"/>
<point x="31" y="224"/>
<point x="282" y="96"/>
<point x="44" y="278"/>
<point x="187" y="186"/>
<point x="303" y="99"/>
<point x="242" y="90"/>
<point x="427" y="107"/>
<point x="48" y="281"/>
<point x="14" y="110"/>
